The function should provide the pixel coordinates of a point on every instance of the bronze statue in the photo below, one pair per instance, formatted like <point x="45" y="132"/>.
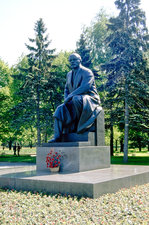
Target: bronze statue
<point x="81" y="101"/>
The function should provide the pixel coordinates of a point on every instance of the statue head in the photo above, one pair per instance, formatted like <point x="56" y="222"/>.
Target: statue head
<point x="74" y="60"/>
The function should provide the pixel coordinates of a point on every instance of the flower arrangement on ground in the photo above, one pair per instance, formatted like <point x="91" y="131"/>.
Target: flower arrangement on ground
<point x="53" y="159"/>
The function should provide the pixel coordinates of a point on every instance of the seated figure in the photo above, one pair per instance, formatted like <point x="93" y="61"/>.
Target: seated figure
<point x="81" y="101"/>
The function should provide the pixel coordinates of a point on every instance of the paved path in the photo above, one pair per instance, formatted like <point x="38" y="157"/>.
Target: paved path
<point x="5" y="165"/>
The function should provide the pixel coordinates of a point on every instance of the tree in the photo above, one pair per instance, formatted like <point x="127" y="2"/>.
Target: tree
<point x="5" y="101"/>
<point x="37" y="83"/>
<point x="138" y="139"/>
<point x="56" y="84"/>
<point x="126" y="70"/>
<point x="84" y="51"/>
<point x="4" y="74"/>
<point x="95" y="35"/>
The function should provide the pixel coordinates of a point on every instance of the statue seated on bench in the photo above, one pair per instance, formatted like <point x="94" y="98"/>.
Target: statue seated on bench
<point x="81" y="104"/>
<point x="95" y="135"/>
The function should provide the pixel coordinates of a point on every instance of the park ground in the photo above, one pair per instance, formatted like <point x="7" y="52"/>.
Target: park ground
<point x="127" y="206"/>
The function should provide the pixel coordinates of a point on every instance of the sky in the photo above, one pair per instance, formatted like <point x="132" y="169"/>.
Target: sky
<point x="64" y="20"/>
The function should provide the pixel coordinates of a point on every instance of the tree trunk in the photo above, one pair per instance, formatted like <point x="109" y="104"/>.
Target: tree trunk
<point x="111" y="139"/>
<point x="125" y="159"/>
<point x="38" y="118"/>
<point x="139" y="142"/>
<point x="116" y="145"/>
<point x="10" y="144"/>
<point x="122" y="145"/>
<point x="30" y="144"/>
<point x="14" y="148"/>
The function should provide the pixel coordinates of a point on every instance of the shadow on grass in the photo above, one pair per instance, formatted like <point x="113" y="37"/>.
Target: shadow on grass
<point x="132" y="160"/>
<point x="21" y="158"/>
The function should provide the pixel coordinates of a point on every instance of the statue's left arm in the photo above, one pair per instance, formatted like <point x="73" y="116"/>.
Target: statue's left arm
<point x="85" y="85"/>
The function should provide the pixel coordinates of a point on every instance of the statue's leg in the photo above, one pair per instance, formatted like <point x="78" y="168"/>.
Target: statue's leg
<point x="78" y="105"/>
<point x="67" y="116"/>
<point x="62" y="118"/>
<point x="58" y="128"/>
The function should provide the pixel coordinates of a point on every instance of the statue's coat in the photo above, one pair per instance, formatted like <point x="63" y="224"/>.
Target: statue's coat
<point x="82" y="85"/>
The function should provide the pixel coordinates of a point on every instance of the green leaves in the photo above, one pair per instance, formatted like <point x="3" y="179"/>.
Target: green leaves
<point x="4" y="74"/>
<point x="39" y="84"/>
<point x="127" y="68"/>
<point x="127" y="206"/>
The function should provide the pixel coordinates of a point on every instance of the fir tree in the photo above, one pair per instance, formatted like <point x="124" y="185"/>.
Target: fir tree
<point x="128" y="42"/>
<point x="38" y="82"/>
<point x="84" y="52"/>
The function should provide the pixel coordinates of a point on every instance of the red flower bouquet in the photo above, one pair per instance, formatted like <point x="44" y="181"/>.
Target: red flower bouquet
<point x="53" y="159"/>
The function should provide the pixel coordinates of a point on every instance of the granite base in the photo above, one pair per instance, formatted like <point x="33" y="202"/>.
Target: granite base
<point x="91" y="184"/>
<point x="75" y="158"/>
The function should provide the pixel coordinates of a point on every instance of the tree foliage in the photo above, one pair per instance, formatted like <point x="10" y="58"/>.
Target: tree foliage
<point x="96" y="34"/>
<point x="5" y="100"/>
<point x="38" y="83"/>
<point x="127" y="78"/>
<point x="84" y="51"/>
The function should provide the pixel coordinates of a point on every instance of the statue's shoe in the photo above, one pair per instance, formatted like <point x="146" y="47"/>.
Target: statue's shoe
<point x="54" y="140"/>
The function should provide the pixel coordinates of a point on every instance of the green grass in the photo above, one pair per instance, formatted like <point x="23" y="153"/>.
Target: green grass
<point x="132" y="160"/>
<point x="22" y="158"/>
<point x="134" y="157"/>
<point x="127" y="206"/>
<point x="24" y="151"/>
<point x="26" y="155"/>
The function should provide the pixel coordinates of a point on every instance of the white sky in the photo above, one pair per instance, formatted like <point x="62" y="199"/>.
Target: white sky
<point x="63" y="19"/>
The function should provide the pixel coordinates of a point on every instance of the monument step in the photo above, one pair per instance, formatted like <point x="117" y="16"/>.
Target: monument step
<point x="88" y="184"/>
<point x="67" y="144"/>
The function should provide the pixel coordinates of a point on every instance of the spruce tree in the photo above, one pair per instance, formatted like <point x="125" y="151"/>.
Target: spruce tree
<point x="84" y="51"/>
<point x="38" y="82"/>
<point x="128" y="42"/>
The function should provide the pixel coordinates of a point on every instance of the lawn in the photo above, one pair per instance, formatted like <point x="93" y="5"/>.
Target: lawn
<point x="24" y="151"/>
<point x="26" y="155"/>
<point x="132" y="160"/>
<point x="127" y="206"/>
<point x="134" y="157"/>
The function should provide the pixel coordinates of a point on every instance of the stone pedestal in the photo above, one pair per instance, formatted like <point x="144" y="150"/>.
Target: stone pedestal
<point x="80" y="152"/>
<point x="75" y="156"/>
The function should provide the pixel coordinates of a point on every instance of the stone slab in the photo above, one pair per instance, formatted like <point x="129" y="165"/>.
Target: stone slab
<point x="76" y="159"/>
<point x="66" y="144"/>
<point x="88" y="184"/>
